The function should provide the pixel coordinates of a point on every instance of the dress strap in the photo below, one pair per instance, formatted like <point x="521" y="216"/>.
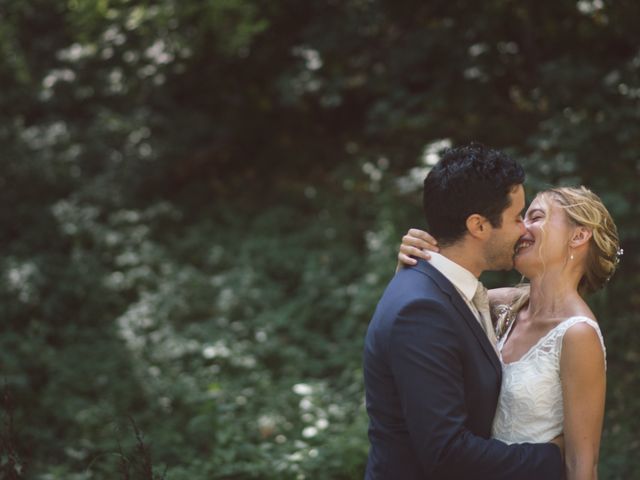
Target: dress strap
<point x="571" y="321"/>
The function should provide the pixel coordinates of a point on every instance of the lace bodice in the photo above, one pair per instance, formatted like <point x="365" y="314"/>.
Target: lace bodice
<point x="530" y="404"/>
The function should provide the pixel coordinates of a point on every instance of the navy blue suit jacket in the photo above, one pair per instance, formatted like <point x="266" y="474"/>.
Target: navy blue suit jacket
<point x="432" y="382"/>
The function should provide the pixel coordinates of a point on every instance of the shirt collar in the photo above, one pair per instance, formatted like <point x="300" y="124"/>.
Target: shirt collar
<point x="465" y="281"/>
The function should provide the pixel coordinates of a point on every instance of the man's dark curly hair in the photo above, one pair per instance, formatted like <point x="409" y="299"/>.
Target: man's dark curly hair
<point x="467" y="180"/>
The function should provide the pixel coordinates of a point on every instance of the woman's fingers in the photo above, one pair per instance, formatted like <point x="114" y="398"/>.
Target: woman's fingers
<point x="406" y="260"/>
<point x="407" y="251"/>
<point x="411" y="241"/>
<point x="416" y="244"/>
<point x="426" y="236"/>
<point x="420" y="239"/>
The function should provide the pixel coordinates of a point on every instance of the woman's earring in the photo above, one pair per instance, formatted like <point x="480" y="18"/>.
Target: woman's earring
<point x="571" y="257"/>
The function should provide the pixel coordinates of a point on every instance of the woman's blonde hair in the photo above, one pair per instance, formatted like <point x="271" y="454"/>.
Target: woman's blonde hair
<point x="584" y="208"/>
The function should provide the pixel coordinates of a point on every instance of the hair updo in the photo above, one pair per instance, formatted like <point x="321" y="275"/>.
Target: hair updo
<point x="584" y="208"/>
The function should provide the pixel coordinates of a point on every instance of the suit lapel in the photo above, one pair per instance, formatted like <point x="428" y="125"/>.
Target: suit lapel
<point x="456" y="300"/>
<point x="477" y="330"/>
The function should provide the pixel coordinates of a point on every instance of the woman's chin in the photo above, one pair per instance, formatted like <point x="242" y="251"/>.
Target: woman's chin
<point x="523" y="266"/>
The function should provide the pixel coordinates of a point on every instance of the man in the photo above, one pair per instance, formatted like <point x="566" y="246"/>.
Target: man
<point x="432" y="375"/>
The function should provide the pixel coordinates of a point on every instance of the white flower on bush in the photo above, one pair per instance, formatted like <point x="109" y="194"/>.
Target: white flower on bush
<point x="306" y="404"/>
<point x="322" y="423"/>
<point x="302" y="389"/>
<point x="309" y="432"/>
<point x="219" y="349"/>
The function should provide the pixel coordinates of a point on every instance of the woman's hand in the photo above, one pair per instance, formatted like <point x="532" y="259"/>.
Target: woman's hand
<point x="416" y="243"/>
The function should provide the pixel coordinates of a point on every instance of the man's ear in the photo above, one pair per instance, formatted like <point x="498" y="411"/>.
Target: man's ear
<point x="477" y="225"/>
<point x="581" y="235"/>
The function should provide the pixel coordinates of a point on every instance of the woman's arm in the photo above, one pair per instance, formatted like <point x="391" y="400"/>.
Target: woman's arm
<point x="502" y="296"/>
<point x="582" y="370"/>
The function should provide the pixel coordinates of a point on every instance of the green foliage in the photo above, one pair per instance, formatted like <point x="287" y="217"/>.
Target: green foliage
<point x="200" y="204"/>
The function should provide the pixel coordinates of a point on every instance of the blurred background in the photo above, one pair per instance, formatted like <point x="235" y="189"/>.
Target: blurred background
<point x="201" y="203"/>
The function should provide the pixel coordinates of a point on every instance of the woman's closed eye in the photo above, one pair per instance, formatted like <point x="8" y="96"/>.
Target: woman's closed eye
<point x="535" y="215"/>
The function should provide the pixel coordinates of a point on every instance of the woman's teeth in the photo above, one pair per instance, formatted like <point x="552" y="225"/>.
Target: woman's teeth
<point x="523" y="244"/>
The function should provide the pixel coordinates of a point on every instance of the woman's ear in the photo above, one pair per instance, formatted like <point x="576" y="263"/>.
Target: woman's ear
<point x="581" y="235"/>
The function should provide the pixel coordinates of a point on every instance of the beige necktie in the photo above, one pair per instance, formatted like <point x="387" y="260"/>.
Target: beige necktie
<point x="481" y="301"/>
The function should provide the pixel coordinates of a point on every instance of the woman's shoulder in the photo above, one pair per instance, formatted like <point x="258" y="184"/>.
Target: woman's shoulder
<point x="581" y="333"/>
<point x="580" y="318"/>
<point x="582" y="342"/>
<point x="579" y="325"/>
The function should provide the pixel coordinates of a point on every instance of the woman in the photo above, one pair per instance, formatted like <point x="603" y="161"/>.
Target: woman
<point x="550" y="345"/>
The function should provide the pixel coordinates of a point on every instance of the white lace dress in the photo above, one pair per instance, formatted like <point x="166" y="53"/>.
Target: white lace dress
<point x="530" y="404"/>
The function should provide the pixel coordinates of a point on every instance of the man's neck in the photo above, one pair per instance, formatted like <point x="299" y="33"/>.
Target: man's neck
<point x="461" y="254"/>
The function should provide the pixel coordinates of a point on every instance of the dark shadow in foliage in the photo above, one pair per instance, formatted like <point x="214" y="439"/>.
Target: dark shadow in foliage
<point x="139" y="465"/>
<point x="11" y="467"/>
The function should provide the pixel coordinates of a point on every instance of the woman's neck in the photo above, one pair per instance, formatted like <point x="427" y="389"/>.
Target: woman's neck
<point x="554" y="295"/>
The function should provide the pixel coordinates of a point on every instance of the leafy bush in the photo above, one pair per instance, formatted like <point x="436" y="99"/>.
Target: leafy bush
<point x="200" y="204"/>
